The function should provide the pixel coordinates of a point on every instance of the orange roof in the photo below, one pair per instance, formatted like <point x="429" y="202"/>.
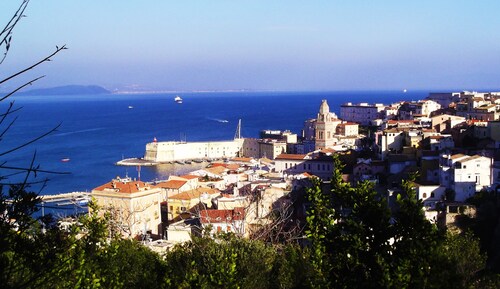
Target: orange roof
<point x="391" y="121"/>
<point x="218" y="165"/>
<point x="328" y="150"/>
<point x="189" y="177"/>
<point x="240" y="159"/>
<point x="216" y="170"/>
<point x="233" y="167"/>
<point x="172" y="184"/>
<point x="348" y="123"/>
<point x="194" y="194"/>
<point x="457" y="156"/>
<point x="222" y="216"/>
<point x="123" y="186"/>
<point x="290" y="157"/>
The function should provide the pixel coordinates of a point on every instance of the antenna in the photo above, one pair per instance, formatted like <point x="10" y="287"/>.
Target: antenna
<point x="237" y="134"/>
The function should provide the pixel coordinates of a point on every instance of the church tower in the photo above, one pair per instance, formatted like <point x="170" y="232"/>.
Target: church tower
<point x="326" y="123"/>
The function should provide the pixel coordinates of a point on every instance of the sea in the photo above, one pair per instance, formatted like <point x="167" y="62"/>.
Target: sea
<point x="96" y="131"/>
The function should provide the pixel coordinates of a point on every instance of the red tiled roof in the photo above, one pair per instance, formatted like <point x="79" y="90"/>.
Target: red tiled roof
<point x="189" y="177"/>
<point x="240" y="159"/>
<point x="348" y="123"/>
<point x="222" y="216"/>
<point x="290" y="157"/>
<point x="172" y="184"/>
<point x="218" y="165"/>
<point x="233" y="167"/>
<point x="123" y="187"/>
<point x="194" y="194"/>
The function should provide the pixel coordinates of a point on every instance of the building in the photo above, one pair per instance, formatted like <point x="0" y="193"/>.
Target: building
<point x="390" y="140"/>
<point x="188" y="203"/>
<point x="362" y="113"/>
<point x="326" y="125"/>
<point x="465" y="174"/>
<point x="444" y="98"/>
<point x="446" y="122"/>
<point x="292" y="164"/>
<point x="224" y="221"/>
<point x="347" y="129"/>
<point x="134" y="206"/>
<point x="161" y="152"/>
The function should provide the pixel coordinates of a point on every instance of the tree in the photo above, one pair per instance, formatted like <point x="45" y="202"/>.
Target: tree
<point x="357" y="243"/>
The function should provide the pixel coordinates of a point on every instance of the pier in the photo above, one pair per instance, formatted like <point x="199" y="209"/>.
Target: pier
<point x="73" y="196"/>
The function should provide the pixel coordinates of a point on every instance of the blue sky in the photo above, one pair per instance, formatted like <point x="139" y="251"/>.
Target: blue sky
<point x="276" y="45"/>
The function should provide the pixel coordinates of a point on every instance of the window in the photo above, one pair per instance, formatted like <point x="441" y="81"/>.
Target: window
<point x="424" y="195"/>
<point x="183" y="209"/>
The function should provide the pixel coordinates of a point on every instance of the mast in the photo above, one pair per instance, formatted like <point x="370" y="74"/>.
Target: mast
<point x="237" y="134"/>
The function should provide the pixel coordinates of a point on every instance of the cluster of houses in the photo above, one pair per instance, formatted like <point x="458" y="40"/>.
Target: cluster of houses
<point x="451" y="139"/>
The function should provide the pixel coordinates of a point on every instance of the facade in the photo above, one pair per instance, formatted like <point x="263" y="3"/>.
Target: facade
<point x="290" y="164"/>
<point x="465" y="174"/>
<point x="173" y="151"/>
<point x="348" y="129"/>
<point x="362" y="113"/>
<point x="444" y="98"/>
<point x="326" y="125"/>
<point x="134" y="206"/>
<point x="224" y="221"/>
<point x="265" y="148"/>
<point x="390" y="140"/>
<point x="446" y="122"/>
<point x="426" y="107"/>
<point x="185" y="202"/>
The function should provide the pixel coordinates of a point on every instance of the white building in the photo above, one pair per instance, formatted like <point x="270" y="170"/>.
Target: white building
<point x="173" y="151"/>
<point x="465" y="174"/>
<point x="325" y="127"/>
<point x="426" y="107"/>
<point x="390" y="140"/>
<point x="362" y="113"/>
<point x="294" y="164"/>
<point x="134" y="206"/>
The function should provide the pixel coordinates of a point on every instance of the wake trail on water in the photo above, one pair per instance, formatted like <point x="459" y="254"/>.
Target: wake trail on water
<point x="79" y="131"/>
<point x="218" y="119"/>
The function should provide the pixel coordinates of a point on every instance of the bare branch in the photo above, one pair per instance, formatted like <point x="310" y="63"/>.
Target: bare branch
<point x="6" y="33"/>
<point x="58" y="49"/>
<point x="9" y="111"/>
<point x="31" y="141"/>
<point x="21" y="87"/>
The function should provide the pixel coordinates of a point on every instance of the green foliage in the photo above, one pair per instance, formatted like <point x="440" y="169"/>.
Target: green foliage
<point x="358" y="243"/>
<point x="223" y="263"/>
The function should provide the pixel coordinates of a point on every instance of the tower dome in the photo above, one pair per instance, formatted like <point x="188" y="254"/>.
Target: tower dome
<point x="324" y="108"/>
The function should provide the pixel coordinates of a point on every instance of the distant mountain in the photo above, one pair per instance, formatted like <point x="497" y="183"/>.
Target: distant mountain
<point x="67" y="90"/>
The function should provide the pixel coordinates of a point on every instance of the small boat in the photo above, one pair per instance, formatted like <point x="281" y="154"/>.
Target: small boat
<point x="65" y="160"/>
<point x="178" y="99"/>
<point x="130" y="107"/>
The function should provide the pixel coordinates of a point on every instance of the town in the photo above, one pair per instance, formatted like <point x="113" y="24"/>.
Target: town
<point x="451" y="142"/>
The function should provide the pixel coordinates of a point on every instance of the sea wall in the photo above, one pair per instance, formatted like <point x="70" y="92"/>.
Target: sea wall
<point x="178" y="151"/>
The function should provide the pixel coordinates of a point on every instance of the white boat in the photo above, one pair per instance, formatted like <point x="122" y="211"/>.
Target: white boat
<point x="178" y="99"/>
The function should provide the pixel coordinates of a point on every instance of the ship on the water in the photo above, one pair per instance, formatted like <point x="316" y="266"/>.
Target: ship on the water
<point x="178" y="99"/>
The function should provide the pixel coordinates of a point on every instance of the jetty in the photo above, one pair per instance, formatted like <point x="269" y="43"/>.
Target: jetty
<point x="70" y="198"/>
<point x="135" y="162"/>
